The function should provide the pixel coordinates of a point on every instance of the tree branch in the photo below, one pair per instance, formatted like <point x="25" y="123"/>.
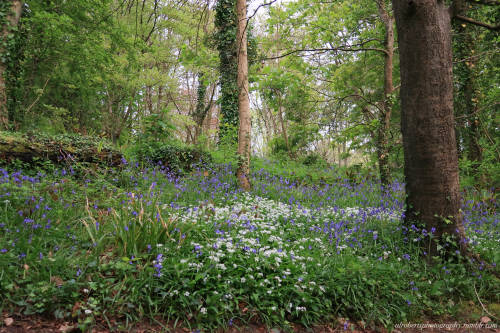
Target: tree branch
<point x="38" y="97"/>
<point x="260" y="6"/>
<point x="485" y="2"/>
<point x="342" y="48"/>
<point x="478" y="23"/>
<point x="255" y="13"/>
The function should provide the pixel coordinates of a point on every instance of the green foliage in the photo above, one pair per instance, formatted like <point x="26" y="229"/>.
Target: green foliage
<point x="176" y="157"/>
<point x="225" y="38"/>
<point x="314" y="159"/>
<point x="475" y="99"/>
<point x="156" y="128"/>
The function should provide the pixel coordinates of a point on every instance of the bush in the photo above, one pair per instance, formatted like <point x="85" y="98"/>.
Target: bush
<point x="314" y="159"/>
<point x="176" y="157"/>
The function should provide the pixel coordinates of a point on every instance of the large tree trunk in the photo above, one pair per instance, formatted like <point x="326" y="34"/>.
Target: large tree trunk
<point x="427" y="122"/>
<point x="12" y="21"/>
<point x="243" y="172"/>
<point x="386" y="105"/>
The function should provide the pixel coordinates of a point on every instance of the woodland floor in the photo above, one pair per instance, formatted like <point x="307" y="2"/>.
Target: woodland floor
<point x="21" y="324"/>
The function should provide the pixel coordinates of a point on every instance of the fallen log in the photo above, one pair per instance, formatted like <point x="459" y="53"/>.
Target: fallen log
<point x="60" y="149"/>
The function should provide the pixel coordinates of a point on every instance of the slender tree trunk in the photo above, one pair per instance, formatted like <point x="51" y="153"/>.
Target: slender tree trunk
<point x="466" y="109"/>
<point x="243" y="172"/>
<point x="263" y="123"/>
<point x="344" y="150"/>
<point x="277" y="39"/>
<point x="339" y="149"/>
<point x="273" y="122"/>
<point x="202" y="108"/>
<point x="149" y="99"/>
<point x="427" y="121"/>
<point x="386" y="105"/>
<point x="283" y="126"/>
<point x="160" y="99"/>
<point x="339" y="154"/>
<point x="199" y="112"/>
<point x="12" y="21"/>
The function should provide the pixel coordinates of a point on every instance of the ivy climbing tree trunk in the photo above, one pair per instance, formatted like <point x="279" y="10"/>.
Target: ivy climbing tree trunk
<point x="12" y="10"/>
<point x="243" y="172"/>
<point x="226" y="25"/>
<point x="202" y="107"/>
<point x="427" y="120"/>
<point x="199" y="112"/>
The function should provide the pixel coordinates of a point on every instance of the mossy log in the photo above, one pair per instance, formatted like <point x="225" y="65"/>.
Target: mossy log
<point x="61" y="149"/>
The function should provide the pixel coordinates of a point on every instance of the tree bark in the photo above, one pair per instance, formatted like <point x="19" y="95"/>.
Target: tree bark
<point x="427" y="121"/>
<point x="243" y="172"/>
<point x="202" y="108"/>
<point x="386" y="104"/>
<point x="12" y="21"/>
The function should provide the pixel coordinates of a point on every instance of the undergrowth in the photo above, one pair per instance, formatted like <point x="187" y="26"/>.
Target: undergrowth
<point x="143" y="240"/>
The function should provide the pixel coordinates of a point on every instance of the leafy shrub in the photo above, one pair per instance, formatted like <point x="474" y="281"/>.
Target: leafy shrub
<point x="176" y="157"/>
<point x="314" y="159"/>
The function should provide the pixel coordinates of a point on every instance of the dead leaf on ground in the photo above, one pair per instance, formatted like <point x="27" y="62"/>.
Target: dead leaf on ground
<point x="75" y="308"/>
<point x="65" y="328"/>
<point x="57" y="280"/>
<point x="8" y="321"/>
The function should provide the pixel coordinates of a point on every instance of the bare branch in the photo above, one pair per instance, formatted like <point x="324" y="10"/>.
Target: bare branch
<point x="254" y="13"/>
<point x="154" y="21"/>
<point x="323" y="50"/>
<point x="478" y="23"/>
<point x="260" y="6"/>
<point x="38" y="97"/>
<point x="484" y="2"/>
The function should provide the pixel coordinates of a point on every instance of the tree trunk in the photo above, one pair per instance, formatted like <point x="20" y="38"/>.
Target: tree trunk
<point x="160" y="100"/>
<point x="243" y="172"/>
<point x="427" y="121"/>
<point x="202" y="108"/>
<point x="149" y="99"/>
<point x="277" y="40"/>
<point x="199" y="112"/>
<point x="226" y="30"/>
<point x="466" y="109"/>
<point x="386" y="105"/>
<point x="12" y="21"/>
<point x="283" y="126"/>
